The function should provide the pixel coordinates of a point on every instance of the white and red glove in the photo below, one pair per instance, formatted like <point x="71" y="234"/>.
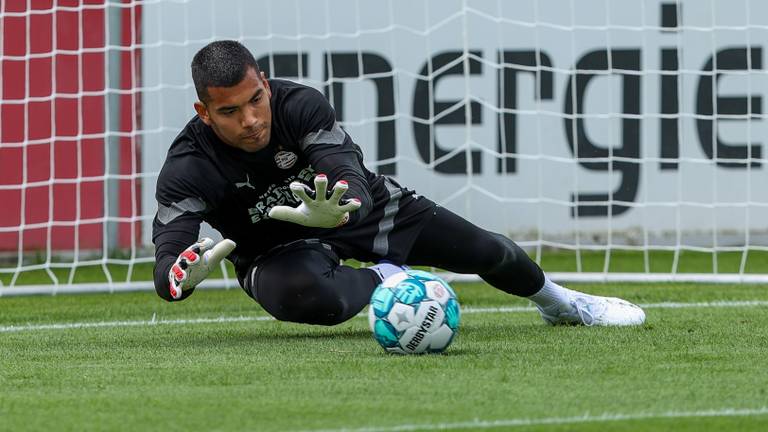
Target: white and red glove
<point x="195" y="263"/>
<point x="318" y="212"/>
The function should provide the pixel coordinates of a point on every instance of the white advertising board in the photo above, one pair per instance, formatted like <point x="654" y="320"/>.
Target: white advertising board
<point x="537" y="119"/>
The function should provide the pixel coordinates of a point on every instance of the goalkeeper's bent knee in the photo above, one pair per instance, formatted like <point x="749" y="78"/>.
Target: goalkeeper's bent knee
<point x="295" y="284"/>
<point x="303" y="297"/>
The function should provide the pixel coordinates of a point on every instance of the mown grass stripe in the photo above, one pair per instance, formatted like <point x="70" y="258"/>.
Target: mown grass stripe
<point x="586" y="418"/>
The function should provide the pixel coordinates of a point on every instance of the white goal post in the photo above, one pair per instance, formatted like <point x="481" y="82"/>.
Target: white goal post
<point x="618" y="127"/>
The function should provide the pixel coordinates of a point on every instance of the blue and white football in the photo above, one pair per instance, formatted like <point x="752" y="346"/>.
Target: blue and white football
<point x="414" y="312"/>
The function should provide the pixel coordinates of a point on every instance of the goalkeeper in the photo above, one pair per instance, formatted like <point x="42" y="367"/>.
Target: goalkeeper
<point x="266" y="164"/>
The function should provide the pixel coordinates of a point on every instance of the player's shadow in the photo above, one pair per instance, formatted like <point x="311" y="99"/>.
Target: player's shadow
<point x="312" y="334"/>
<point x="450" y="352"/>
<point x="323" y="337"/>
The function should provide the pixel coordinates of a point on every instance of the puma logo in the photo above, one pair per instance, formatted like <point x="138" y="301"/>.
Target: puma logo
<point x="246" y="183"/>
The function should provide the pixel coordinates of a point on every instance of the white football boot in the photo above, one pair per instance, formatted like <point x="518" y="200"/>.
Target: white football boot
<point x="592" y="310"/>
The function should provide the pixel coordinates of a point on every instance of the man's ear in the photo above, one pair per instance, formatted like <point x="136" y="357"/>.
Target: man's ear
<point x="265" y="82"/>
<point x="202" y="112"/>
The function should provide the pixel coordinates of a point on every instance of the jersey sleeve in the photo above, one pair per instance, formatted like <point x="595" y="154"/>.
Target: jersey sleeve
<point x="181" y="206"/>
<point x="329" y="149"/>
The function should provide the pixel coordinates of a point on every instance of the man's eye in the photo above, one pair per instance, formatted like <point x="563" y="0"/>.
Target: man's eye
<point x="256" y="99"/>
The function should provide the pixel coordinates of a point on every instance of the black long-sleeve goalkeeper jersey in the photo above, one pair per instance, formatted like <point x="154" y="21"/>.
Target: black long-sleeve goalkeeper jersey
<point x="204" y="179"/>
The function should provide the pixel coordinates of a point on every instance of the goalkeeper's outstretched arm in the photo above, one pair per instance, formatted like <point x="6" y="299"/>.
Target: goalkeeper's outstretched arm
<point x="329" y="149"/>
<point x="171" y="240"/>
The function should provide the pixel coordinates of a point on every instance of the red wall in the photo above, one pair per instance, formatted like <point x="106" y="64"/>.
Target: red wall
<point x="60" y="139"/>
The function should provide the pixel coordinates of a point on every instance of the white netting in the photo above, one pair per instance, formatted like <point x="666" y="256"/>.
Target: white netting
<point x="628" y="128"/>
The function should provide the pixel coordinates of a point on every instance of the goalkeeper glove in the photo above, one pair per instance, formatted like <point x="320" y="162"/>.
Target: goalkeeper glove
<point x="195" y="263"/>
<point x="317" y="212"/>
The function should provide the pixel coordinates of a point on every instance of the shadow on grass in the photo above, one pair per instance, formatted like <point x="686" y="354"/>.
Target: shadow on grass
<point x="290" y="337"/>
<point x="346" y="340"/>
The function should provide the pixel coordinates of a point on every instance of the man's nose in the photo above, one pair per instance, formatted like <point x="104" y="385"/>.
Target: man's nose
<point x="249" y="119"/>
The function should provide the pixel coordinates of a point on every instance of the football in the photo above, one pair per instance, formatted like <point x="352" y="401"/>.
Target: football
<point x="414" y="312"/>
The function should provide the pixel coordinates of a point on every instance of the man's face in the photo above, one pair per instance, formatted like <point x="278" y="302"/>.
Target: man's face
<point x="240" y="115"/>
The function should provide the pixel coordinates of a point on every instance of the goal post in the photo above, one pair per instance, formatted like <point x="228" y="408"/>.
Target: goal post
<point x="628" y="134"/>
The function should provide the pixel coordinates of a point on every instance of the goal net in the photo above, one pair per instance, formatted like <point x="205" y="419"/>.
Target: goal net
<point x="613" y="140"/>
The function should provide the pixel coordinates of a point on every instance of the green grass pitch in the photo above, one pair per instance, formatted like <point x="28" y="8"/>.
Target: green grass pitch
<point x="143" y="364"/>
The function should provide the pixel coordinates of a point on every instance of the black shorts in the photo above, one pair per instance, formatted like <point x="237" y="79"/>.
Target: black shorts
<point x="389" y="231"/>
<point x="296" y="250"/>
<point x="391" y="239"/>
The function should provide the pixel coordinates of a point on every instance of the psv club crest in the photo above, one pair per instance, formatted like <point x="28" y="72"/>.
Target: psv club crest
<point x="285" y="159"/>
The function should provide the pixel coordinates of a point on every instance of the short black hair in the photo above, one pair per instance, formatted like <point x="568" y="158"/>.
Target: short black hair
<point x="221" y="63"/>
